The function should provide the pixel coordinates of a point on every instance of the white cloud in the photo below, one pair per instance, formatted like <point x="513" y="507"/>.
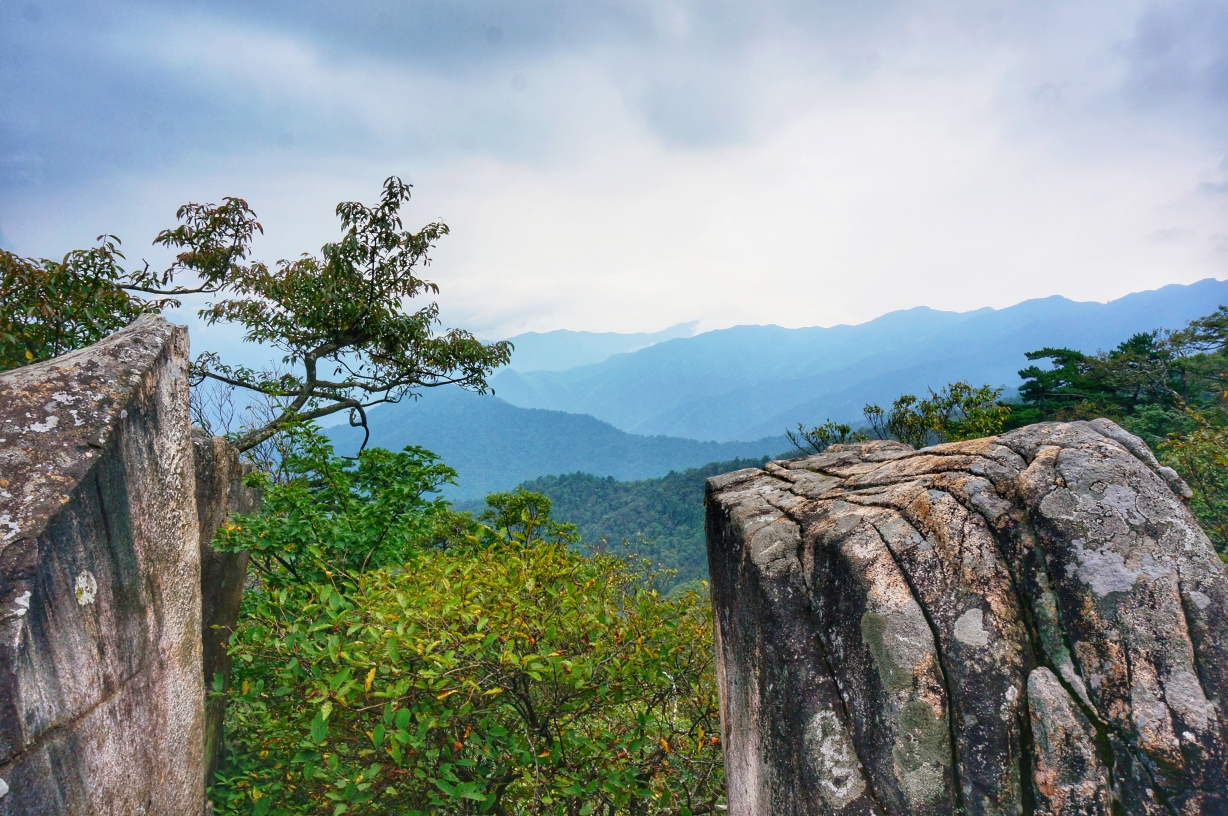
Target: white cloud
<point x="785" y="167"/>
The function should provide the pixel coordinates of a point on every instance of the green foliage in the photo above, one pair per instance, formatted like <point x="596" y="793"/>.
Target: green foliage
<point x="399" y="658"/>
<point x="1201" y="457"/>
<point x="53" y="307"/>
<point x="819" y="438"/>
<point x="659" y="519"/>
<point x="524" y="515"/>
<point x="340" y="319"/>
<point x="345" y="311"/>
<point x="327" y="517"/>
<point x="954" y="412"/>
<point x="1171" y="370"/>
<point x="507" y="679"/>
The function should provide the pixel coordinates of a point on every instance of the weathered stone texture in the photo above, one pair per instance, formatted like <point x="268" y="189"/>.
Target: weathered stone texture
<point x="1029" y="623"/>
<point x="101" y="688"/>
<point x="220" y="493"/>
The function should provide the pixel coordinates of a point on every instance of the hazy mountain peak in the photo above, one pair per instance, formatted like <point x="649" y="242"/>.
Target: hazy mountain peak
<point x="563" y="348"/>
<point x="747" y="382"/>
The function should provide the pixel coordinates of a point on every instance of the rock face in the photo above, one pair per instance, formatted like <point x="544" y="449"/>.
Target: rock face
<point x="1024" y="624"/>
<point x="101" y="681"/>
<point x="220" y="493"/>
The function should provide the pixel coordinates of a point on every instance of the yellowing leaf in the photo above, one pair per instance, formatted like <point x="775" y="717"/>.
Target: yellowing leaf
<point x="446" y="694"/>
<point x="370" y="679"/>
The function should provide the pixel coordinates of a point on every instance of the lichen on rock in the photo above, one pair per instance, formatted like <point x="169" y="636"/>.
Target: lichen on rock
<point x="102" y="696"/>
<point x="1032" y="622"/>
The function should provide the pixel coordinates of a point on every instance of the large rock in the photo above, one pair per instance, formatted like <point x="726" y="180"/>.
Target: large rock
<point x="101" y="684"/>
<point x="220" y="493"/>
<point x="1029" y="623"/>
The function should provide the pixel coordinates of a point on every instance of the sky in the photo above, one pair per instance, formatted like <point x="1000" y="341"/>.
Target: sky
<point x="625" y="166"/>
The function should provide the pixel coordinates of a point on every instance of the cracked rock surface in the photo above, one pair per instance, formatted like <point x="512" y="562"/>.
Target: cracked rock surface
<point x="101" y="685"/>
<point x="1031" y="623"/>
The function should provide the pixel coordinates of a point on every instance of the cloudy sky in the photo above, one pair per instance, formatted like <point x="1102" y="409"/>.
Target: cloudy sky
<point x="628" y="165"/>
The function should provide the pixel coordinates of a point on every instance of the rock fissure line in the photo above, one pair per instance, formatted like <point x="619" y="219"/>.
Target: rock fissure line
<point x="103" y="515"/>
<point x="51" y="732"/>
<point x="1027" y="607"/>
<point x="1144" y="762"/>
<point x="1105" y="729"/>
<point x="1189" y="633"/>
<point x="942" y="668"/>
<point x="1104" y="745"/>
<point x="843" y="715"/>
<point x="1027" y="738"/>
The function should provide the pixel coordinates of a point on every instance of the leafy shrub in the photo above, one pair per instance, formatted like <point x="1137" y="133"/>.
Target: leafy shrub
<point x="1201" y="457"/>
<point x="503" y="679"/>
<point x="325" y="516"/>
<point x="53" y="307"/>
<point x="956" y="411"/>
<point x="397" y="657"/>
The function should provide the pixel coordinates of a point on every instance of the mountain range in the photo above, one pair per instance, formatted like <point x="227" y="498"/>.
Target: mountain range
<point x="495" y="446"/>
<point x="562" y="349"/>
<point x="747" y="382"/>
<point x="638" y="413"/>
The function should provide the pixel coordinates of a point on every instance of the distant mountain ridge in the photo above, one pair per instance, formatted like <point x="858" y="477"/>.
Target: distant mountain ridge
<point x="495" y="446"/>
<point x="750" y="381"/>
<point x="562" y="349"/>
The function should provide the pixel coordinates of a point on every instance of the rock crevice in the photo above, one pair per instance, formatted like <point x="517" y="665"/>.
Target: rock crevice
<point x="107" y="505"/>
<point x="1029" y="623"/>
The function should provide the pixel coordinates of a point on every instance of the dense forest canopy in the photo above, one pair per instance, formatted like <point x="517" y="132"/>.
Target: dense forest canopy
<point x="660" y="519"/>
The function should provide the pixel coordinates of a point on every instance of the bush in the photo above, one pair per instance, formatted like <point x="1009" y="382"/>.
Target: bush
<point x="485" y="671"/>
<point x="505" y="679"/>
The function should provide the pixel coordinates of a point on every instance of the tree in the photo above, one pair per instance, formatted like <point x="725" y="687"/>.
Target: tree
<point x="819" y="438"/>
<point x="525" y="516"/>
<point x="343" y="311"/>
<point x="954" y="412"/>
<point x="53" y="307"/>
<point x="1201" y="457"/>
<point x="339" y="319"/>
<point x="326" y="516"/>
<point x="1160" y="369"/>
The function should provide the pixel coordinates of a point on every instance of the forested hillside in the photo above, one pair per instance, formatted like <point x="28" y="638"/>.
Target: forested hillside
<point x="494" y="446"/>
<point x="750" y="381"/>
<point x="661" y="519"/>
